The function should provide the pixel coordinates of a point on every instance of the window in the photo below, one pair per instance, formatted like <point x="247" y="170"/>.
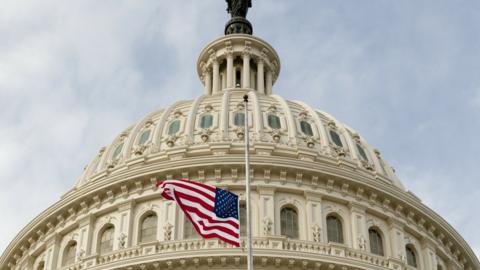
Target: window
<point x="106" y="239"/>
<point x="382" y="165"/>
<point x="69" y="254"/>
<point x="362" y="153"/>
<point x="243" y="219"/>
<point x="117" y="151"/>
<point x="149" y="228"/>
<point x="189" y="231"/>
<point x="289" y="222"/>
<point x="238" y="78"/>
<point x="206" y="121"/>
<point x="144" y="137"/>
<point x="336" y="138"/>
<point x="41" y="265"/>
<point x="439" y="267"/>
<point x="274" y="121"/>
<point x="334" y="229"/>
<point x="174" y="127"/>
<point x="306" y="128"/>
<point x="376" y="245"/>
<point x="239" y="119"/>
<point x="411" y="257"/>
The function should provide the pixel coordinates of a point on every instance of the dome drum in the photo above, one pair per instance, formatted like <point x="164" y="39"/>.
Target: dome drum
<point x="222" y="64"/>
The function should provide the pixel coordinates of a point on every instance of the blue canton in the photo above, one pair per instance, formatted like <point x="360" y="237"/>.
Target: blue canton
<point x="226" y="204"/>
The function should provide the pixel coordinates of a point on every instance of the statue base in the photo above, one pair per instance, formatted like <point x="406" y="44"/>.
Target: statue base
<point x="238" y="25"/>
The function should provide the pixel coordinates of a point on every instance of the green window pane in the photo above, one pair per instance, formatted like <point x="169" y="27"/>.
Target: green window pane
<point x="334" y="230"/>
<point x="144" y="137"/>
<point x="362" y="153"/>
<point x="206" y="121"/>
<point x="106" y="240"/>
<point x="376" y="245"/>
<point x="149" y="229"/>
<point x="274" y="121"/>
<point x="189" y="231"/>
<point x="411" y="257"/>
<point x="239" y="119"/>
<point x="336" y="138"/>
<point x="69" y="254"/>
<point x="117" y="151"/>
<point x="289" y="222"/>
<point x="174" y="127"/>
<point x="243" y="219"/>
<point x="306" y="128"/>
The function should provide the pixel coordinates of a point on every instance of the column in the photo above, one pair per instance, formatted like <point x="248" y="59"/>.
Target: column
<point x="359" y="230"/>
<point x="85" y="226"/>
<point x="267" y="211"/>
<point x="52" y="251"/>
<point x="246" y="70"/>
<point x="125" y="235"/>
<point x="260" y="77"/>
<point x="428" y="252"/>
<point x="397" y="242"/>
<point x="223" y="80"/>
<point x="208" y="81"/>
<point x="314" y="216"/>
<point x="216" y="77"/>
<point x="230" y="71"/>
<point x="269" y="82"/>
<point x="168" y="227"/>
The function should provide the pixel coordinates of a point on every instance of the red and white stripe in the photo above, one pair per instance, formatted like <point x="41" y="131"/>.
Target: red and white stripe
<point x="197" y="201"/>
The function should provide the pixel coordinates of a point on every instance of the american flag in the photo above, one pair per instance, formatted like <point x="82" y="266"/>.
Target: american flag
<point x="212" y="211"/>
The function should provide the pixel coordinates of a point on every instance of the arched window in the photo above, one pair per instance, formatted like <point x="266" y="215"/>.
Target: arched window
<point x="41" y="266"/>
<point x="243" y="219"/>
<point x="336" y="138"/>
<point x="117" y="151"/>
<point x="439" y="267"/>
<point x="239" y="119"/>
<point x="174" y="127"/>
<point x="238" y="78"/>
<point x="362" y="153"/>
<point x="144" y="137"/>
<point x="189" y="231"/>
<point x="334" y="229"/>
<point x="274" y="121"/>
<point x="106" y="239"/>
<point x="206" y="121"/>
<point x="376" y="244"/>
<point x="289" y="222"/>
<point x="306" y="128"/>
<point x="148" y="230"/>
<point x="411" y="257"/>
<point x="69" y="254"/>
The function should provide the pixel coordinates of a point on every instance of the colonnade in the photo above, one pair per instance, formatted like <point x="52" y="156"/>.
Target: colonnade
<point x="234" y="62"/>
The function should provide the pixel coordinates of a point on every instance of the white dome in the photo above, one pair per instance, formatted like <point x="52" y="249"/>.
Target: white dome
<point x="314" y="146"/>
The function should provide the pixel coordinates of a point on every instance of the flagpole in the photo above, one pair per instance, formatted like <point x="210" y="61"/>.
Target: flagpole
<point x="247" y="187"/>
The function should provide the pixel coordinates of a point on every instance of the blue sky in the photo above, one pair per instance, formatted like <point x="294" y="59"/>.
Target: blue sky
<point x="404" y="74"/>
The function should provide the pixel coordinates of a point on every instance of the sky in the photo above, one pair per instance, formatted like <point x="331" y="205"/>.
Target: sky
<point x="404" y="74"/>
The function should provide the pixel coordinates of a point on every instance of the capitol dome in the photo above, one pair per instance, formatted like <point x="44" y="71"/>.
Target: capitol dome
<point x="324" y="198"/>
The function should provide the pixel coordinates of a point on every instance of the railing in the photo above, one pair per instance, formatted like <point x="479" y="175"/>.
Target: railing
<point x="260" y="245"/>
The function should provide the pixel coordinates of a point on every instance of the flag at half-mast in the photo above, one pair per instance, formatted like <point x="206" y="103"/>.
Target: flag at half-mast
<point x="212" y="211"/>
